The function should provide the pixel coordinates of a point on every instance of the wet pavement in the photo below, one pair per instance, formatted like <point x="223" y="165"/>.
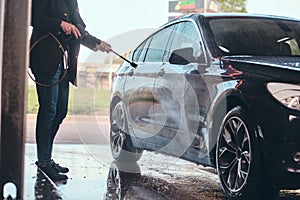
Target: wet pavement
<point x="153" y="177"/>
<point x="94" y="175"/>
<point x="97" y="176"/>
<point x="87" y="176"/>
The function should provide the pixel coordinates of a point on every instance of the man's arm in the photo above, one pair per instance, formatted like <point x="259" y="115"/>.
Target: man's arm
<point x="87" y="39"/>
<point x="93" y="42"/>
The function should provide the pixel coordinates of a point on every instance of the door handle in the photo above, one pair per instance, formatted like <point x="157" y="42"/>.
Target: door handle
<point x="130" y="73"/>
<point x="161" y="72"/>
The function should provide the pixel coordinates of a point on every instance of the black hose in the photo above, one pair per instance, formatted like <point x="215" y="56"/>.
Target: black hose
<point x="65" y="58"/>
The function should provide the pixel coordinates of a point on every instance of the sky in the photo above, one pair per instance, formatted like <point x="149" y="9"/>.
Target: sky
<point x="124" y="23"/>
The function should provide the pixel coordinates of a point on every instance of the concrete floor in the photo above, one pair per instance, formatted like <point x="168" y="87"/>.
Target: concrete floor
<point x="87" y="176"/>
<point x="93" y="176"/>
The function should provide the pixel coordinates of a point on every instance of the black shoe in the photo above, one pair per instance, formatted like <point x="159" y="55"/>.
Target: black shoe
<point x="60" y="168"/>
<point x="51" y="171"/>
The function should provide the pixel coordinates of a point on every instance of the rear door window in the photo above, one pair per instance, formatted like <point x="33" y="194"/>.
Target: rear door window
<point x="157" y="48"/>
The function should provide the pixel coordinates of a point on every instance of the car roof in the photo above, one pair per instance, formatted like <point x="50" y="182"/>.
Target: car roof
<point x="235" y="15"/>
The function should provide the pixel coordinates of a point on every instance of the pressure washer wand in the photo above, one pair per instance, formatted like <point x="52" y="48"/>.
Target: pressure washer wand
<point x="84" y="33"/>
<point x="131" y="63"/>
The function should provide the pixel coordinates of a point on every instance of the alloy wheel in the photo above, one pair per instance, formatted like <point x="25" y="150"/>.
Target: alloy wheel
<point x="234" y="154"/>
<point x="118" y="125"/>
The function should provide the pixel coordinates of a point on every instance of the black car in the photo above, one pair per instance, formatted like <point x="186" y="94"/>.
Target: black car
<point x="220" y="90"/>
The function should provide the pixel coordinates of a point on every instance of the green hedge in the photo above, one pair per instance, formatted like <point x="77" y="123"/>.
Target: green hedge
<point x="82" y="101"/>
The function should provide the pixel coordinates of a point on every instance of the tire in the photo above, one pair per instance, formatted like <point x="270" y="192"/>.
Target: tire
<point x="238" y="159"/>
<point x="120" y="141"/>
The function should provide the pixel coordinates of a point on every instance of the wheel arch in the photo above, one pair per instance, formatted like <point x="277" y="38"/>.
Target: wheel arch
<point x="113" y="102"/>
<point x="125" y="151"/>
<point x="223" y="105"/>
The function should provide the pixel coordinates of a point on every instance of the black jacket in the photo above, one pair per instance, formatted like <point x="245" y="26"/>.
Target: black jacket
<point x="46" y="52"/>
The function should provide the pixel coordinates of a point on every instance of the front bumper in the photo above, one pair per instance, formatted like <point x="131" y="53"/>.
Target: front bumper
<point x="281" y="148"/>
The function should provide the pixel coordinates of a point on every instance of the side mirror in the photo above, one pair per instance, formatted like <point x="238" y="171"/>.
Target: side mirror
<point x="183" y="56"/>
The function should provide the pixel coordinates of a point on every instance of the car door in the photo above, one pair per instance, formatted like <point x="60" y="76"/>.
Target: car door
<point x="177" y="99"/>
<point x="140" y="82"/>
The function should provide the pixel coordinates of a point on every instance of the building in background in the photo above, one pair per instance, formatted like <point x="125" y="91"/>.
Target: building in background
<point x="181" y="7"/>
<point x="94" y="75"/>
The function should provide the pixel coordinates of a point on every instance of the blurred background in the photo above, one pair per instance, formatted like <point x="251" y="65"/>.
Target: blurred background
<point x="124" y="24"/>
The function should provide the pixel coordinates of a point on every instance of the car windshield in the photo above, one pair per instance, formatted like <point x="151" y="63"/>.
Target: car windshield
<point x="256" y="36"/>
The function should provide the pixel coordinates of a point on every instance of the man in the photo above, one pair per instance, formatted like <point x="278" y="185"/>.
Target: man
<point x="58" y="30"/>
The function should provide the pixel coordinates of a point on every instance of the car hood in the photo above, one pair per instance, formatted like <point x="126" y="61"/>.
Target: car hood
<point x="286" y="69"/>
<point x="292" y="63"/>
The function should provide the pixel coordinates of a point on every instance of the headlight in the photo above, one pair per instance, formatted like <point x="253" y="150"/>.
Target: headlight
<point x="287" y="94"/>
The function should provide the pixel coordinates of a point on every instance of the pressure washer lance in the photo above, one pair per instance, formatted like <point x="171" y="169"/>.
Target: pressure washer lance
<point x="84" y="33"/>
<point x="134" y="65"/>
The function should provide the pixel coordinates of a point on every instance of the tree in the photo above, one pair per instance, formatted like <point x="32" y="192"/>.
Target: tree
<point x="233" y="5"/>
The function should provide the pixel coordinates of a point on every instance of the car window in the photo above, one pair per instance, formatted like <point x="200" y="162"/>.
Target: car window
<point x="186" y="35"/>
<point x="140" y="52"/>
<point x="256" y="36"/>
<point x="156" y="50"/>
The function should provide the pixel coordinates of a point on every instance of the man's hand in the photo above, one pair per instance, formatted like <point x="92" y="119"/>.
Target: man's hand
<point x="103" y="46"/>
<point x="70" y="29"/>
